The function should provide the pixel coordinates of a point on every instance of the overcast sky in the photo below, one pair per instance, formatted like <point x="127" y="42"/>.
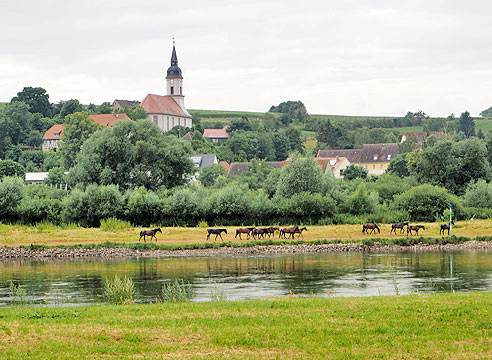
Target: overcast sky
<point x="352" y="57"/>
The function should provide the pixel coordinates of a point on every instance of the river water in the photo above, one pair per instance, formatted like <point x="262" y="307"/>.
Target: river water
<point x="81" y="282"/>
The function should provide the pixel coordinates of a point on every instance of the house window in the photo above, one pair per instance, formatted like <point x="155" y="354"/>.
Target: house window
<point x="389" y="157"/>
<point x="341" y="172"/>
<point x="365" y="166"/>
<point x="375" y="157"/>
<point x="381" y="166"/>
<point x="172" y="90"/>
<point x="374" y="166"/>
<point x="155" y="119"/>
<point x="173" y="121"/>
<point x="168" y="128"/>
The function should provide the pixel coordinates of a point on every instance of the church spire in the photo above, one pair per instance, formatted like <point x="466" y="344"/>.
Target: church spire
<point x="174" y="57"/>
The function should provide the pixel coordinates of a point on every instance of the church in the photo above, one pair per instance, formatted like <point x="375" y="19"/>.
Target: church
<point x="168" y="111"/>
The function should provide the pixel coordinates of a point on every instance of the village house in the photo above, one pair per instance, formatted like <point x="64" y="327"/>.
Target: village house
<point x="54" y="134"/>
<point x="217" y="136"/>
<point x="375" y="158"/>
<point x="121" y="104"/>
<point x="420" y="136"/>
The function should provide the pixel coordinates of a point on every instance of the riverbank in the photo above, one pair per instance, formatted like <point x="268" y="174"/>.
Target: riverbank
<point x="114" y="250"/>
<point x="438" y="326"/>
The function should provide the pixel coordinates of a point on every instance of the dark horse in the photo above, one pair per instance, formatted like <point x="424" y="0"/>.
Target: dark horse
<point x="400" y="226"/>
<point x="150" y="233"/>
<point x="415" y="228"/>
<point x="445" y="227"/>
<point x="216" y="232"/>
<point x="370" y="226"/>
<point x="243" y="231"/>
<point x="290" y="230"/>
<point x="299" y="231"/>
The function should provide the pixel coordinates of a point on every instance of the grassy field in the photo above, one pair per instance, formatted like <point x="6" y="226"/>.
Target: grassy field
<point x="440" y="326"/>
<point x="43" y="234"/>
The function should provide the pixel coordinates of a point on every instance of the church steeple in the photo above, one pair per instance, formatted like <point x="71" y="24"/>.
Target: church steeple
<point x="174" y="57"/>
<point x="174" y="71"/>
<point x="174" y="80"/>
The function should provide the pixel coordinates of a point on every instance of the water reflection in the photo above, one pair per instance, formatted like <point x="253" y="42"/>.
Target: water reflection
<point x="359" y="274"/>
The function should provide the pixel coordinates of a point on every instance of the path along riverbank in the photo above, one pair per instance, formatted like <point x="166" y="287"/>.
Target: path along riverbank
<point x="257" y="250"/>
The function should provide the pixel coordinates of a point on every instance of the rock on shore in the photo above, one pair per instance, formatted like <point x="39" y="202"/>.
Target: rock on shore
<point x="118" y="252"/>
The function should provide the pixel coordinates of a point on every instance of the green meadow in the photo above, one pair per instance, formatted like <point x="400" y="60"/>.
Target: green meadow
<point x="438" y="326"/>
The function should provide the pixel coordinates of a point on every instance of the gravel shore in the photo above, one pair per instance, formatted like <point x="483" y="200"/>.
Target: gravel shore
<point x="119" y="252"/>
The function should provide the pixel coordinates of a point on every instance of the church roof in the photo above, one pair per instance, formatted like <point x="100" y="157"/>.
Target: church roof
<point x="174" y="71"/>
<point x="159" y="104"/>
<point x="108" y="119"/>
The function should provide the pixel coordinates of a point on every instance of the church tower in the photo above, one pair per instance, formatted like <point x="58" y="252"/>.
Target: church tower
<point x="174" y="80"/>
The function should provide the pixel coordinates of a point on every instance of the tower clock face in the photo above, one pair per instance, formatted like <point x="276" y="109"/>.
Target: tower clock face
<point x="172" y="81"/>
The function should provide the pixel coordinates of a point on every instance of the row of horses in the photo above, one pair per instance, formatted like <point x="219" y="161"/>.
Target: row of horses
<point x="257" y="233"/>
<point x="401" y="226"/>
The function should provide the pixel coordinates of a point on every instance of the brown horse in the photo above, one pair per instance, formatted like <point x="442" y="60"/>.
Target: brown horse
<point x="216" y="232"/>
<point x="415" y="228"/>
<point x="271" y="231"/>
<point x="243" y="231"/>
<point x="290" y="230"/>
<point x="150" y="233"/>
<point x="445" y="227"/>
<point x="259" y="232"/>
<point x="370" y="226"/>
<point x="400" y="226"/>
<point x="299" y="231"/>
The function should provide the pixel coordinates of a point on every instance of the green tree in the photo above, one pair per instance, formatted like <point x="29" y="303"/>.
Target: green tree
<point x="133" y="154"/>
<point x="15" y="122"/>
<point x="11" y="194"/>
<point x="326" y="134"/>
<point x="487" y="113"/>
<point x="398" y="166"/>
<point x="256" y="174"/>
<point x="11" y="168"/>
<point x="104" y="108"/>
<point x="143" y="207"/>
<point x="32" y="160"/>
<point x="239" y="124"/>
<point x="36" y="98"/>
<point x="295" y="139"/>
<point x="451" y="165"/>
<point x="34" y="138"/>
<point x="136" y="112"/>
<point x="300" y="175"/>
<point x="478" y="194"/>
<point x="56" y="176"/>
<point x="294" y="110"/>
<point x="70" y="107"/>
<point x="78" y="128"/>
<point x="467" y="124"/>
<point x="247" y="145"/>
<point x="209" y="174"/>
<point x="352" y="172"/>
<point x="281" y="145"/>
<point x="360" y="202"/>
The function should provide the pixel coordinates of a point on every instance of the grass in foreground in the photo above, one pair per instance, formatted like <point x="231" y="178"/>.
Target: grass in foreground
<point x="440" y="326"/>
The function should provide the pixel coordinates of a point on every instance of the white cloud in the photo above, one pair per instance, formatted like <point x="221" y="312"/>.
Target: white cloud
<point x="366" y="57"/>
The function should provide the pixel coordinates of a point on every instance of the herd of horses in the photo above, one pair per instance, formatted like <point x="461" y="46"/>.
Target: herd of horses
<point x="261" y="233"/>
<point x="411" y="229"/>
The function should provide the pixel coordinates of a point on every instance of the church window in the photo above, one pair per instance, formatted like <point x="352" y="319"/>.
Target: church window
<point x="172" y="90"/>
<point x="180" y="90"/>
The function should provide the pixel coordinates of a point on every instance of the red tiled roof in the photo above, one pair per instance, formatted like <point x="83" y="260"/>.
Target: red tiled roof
<point x="225" y="164"/>
<point x="108" y="119"/>
<point x="216" y="133"/>
<point x="158" y="104"/>
<point x="55" y="129"/>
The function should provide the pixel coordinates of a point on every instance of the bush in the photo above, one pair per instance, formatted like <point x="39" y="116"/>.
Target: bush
<point x="305" y="207"/>
<point x="34" y="210"/>
<point x="94" y="204"/>
<point x="142" y="207"/>
<point x="182" y="208"/>
<point x="177" y="291"/>
<point x="361" y="202"/>
<point x="119" y="290"/>
<point x="478" y="194"/>
<point x="427" y="203"/>
<point x="231" y="205"/>
<point x="11" y="194"/>
<point x="11" y="168"/>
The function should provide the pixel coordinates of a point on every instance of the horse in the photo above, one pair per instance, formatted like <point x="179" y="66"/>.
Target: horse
<point x="415" y="228"/>
<point x="150" y="233"/>
<point x="398" y="226"/>
<point x="290" y="230"/>
<point x="259" y="232"/>
<point x="299" y="231"/>
<point x="271" y="231"/>
<point x="216" y="232"/>
<point x="445" y="227"/>
<point x="243" y="231"/>
<point x="370" y="226"/>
